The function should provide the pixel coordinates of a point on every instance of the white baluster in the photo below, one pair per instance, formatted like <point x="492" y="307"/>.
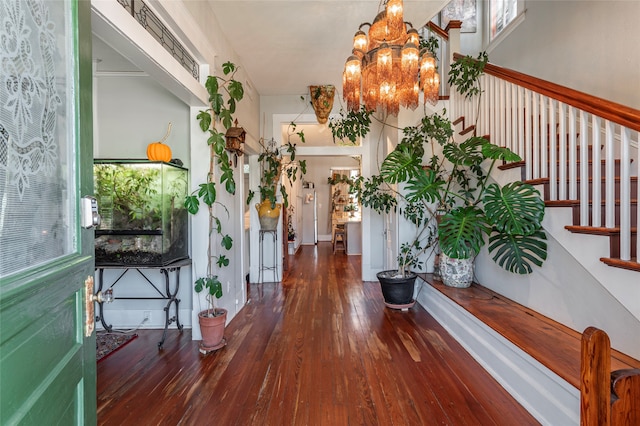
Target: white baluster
<point x="573" y="158"/>
<point x="544" y="137"/>
<point x="584" y="171"/>
<point x="596" y="175"/>
<point x="562" y="152"/>
<point x="553" y="151"/>
<point x="625" y="195"/>
<point x="535" y="135"/>
<point x="609" y="179"/>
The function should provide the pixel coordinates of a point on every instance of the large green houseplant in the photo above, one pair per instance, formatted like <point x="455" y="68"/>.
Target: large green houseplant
<point x="446" y="191"/>
<point x="224" y="93"/>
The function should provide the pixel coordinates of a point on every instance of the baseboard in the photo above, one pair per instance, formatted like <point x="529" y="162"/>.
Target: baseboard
<point x="133" y="318"/>
<point x="550" y="399"/>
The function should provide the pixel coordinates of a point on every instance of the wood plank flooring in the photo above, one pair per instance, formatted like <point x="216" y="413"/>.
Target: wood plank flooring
<point x="319" y="348"/>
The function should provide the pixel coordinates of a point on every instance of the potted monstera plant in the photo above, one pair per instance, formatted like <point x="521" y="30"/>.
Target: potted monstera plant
<point x="465" y="206"/>
<point x="446" y="192"/>
<point x="224" y="93"/>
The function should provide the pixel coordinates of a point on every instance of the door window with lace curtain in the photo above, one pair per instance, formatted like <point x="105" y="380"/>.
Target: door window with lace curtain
<point x="37" y="184"/>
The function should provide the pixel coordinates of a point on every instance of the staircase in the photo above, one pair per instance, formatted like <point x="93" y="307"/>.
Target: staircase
<point x="587" y="169"/>
<point x="518" y="111"/>
<point x="561" y="134"/>
<point x="589" y="226"/>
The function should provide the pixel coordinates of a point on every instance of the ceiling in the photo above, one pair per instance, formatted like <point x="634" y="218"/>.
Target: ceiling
<point x="286" y="46"/>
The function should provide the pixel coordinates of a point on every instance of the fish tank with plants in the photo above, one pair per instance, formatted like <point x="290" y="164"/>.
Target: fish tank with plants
<point x="143" y="218"/>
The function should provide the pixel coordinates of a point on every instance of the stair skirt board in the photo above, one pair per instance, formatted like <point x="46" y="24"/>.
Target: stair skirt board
<point x="549" y="398"/>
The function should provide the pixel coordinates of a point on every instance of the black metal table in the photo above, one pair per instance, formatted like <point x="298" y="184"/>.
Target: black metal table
<point x="170" y="296"/>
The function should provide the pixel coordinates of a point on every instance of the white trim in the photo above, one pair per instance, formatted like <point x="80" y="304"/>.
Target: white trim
<point x="121" y="74"/>
<point x="111" y="23"/>
<point x="547" y="397"/>
<point x="176" y="17"/>
<point x="505" y="32"/>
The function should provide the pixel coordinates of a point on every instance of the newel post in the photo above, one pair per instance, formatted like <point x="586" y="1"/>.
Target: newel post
<point x="595" y="379"/>
<point x="453" y="29"/>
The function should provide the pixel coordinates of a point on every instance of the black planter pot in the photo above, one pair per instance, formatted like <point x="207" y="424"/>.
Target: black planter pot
<point x="397" y="291"/>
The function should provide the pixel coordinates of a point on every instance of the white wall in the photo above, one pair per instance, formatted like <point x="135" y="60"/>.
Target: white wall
<point x="132" y="112"/>
<point x="373" y="226"/>
<point x="590" y="46"/>
<point x="587" y="46"/>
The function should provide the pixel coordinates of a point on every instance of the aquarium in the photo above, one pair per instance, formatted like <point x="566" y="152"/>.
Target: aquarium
<point x="143" y="218"/>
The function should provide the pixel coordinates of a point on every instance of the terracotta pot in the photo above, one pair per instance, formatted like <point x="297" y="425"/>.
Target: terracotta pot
<point x="322" y="101"/>
<point x="212" y="330"/>
<point x="268" y="216"/>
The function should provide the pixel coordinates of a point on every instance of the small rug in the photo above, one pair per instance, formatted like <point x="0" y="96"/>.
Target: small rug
<point x="108" y="343"/>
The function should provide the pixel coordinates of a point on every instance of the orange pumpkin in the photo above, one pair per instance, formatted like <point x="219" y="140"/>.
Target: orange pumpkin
<point x="157" y="151"/>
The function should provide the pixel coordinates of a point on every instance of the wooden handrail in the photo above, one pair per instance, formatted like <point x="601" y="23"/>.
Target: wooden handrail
<point x="439" y="31"/>
<point x="606" y="398"/>
<point x="625" y="404"/>
<point x="614" y="112"/>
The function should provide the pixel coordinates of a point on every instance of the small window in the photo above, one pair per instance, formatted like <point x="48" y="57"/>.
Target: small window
<point x="501" y="13"/>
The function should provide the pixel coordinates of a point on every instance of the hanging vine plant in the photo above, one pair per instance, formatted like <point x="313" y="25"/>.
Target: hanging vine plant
<point x="219" y="113"/>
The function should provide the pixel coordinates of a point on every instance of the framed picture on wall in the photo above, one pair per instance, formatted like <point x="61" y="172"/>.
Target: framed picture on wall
<point x="461" y="10"/>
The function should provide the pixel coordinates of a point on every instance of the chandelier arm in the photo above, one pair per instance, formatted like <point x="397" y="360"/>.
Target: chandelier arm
<point x="363" y="24"/>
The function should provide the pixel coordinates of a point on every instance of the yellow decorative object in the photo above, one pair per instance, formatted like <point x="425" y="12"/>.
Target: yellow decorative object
<point x="268" y="216"/>
<point x="322" y="101"/>
<point x="158" y="151"/>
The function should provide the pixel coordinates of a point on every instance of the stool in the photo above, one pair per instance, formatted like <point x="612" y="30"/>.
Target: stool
<point x="339" y="239"/>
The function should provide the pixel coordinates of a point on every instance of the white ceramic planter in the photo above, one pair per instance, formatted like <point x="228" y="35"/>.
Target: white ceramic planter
<point x="456" y="272"/>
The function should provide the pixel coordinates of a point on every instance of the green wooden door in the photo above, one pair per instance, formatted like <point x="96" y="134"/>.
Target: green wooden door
<point x="47" y="361"/>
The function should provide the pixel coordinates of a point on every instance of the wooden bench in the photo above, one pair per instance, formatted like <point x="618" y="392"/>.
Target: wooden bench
<point x="555" y="346"/>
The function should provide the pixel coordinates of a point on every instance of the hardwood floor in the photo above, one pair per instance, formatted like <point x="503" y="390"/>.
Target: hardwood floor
<point x="319" y="348"/>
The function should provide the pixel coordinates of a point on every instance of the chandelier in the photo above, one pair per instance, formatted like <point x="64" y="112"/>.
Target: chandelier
<point x="387" y="68"/>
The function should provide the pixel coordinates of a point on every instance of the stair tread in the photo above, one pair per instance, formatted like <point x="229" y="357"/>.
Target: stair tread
<point x="549" y="342"/>
<point x="511" y="165"/>
<point x="596" y="230"/>
<point x="543" y="180"/>
<point x="572" y="203"/>
<point x="467" y="130"/>
<point x="632" y="264"/>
